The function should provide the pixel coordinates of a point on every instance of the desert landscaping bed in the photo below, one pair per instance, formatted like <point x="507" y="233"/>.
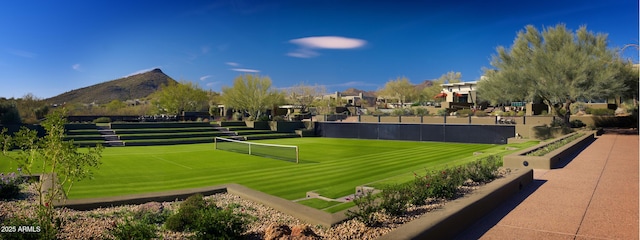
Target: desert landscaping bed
<point x="264" y="222"/>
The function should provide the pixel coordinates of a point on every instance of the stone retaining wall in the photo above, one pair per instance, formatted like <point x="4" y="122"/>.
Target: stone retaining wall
<point x="470" y="207"/>
<point x="548" y="161"/>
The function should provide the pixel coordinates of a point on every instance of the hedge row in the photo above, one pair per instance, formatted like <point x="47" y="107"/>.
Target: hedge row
<point x="159" y="125"/>
<point x="233" y="123"/>
<point x="84" y="137"/>
<point x="163" y="136"/>
<point x="270" y="136"/>
<point x="164" y="130"/>
<point x="77" y="126"/>
<point x="153" y="142"/>
<point x="253" y="132"/>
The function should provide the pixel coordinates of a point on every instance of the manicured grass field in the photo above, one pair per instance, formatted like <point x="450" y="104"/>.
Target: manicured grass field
<point x="329" y="166"/>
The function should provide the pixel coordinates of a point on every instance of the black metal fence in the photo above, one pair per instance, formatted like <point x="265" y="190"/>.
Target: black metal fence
<point x="490" y="134"/>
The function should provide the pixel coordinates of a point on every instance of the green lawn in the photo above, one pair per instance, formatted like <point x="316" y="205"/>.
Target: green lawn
<point x="329" y="166"/>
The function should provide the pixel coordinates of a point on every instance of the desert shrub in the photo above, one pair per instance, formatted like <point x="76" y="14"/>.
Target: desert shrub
<point x="9" y="185"/>
<point x="578" y="107"/>
<point x="151" y="217"/>
<point x="600" y="111"/>
<point x="394" y="199"/>
<point x="184" y="219"/>
<point x="400" y="112"/>
<point x="464" y="112"/>
<point x="420" y="111"/>
<point x="366" y="207"/>
<point x="419" y="189"/>
<point x="441" y="112"/>
<point x="521" y="113"/>
<point x="216" y="223"/>
<point x="444" y="184"/>
<point x="577" y="123"/>
<point x="483" y="170"/>
<point x="479" y="113"/>
<point x="102" y="120"/>
<point x="132" y="229"/>
<point x="544" y="113"/>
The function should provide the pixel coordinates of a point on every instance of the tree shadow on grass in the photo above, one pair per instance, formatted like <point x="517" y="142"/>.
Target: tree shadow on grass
<point x="483" y="225"/>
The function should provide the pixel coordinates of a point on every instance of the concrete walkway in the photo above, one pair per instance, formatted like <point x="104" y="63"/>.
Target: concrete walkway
<point x="593" y="196"/>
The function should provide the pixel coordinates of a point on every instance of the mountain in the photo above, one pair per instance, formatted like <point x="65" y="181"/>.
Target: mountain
<point x="355" y="91"/>
<point x="131" y="87"/>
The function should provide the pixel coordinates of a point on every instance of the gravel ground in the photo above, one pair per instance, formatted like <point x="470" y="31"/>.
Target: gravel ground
<point x="95" y="224"/>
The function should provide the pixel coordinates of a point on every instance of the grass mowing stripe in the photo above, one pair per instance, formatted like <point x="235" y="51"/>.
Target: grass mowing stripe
<point x="172" y="162"/>
<point x="338" y="166"/>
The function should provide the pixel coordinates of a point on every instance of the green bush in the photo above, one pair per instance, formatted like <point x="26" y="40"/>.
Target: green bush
<point x="400" y="112"/>
<point x="577" y="123"/>
<point x="132" y="229"/>
<point x="185" y="218"/>
<point x="216" y="223"/>
<point x="102" y="120"/>
<point x="420" y="111"/>
<point x="9" y="185"/>
<point x="151" y="217"/>
<point x="464" y="112"/>
<point x="600" y="111"/>
<point x="521" y="113"/>
<point x="366" y="207"/>
<point x="394" y="199"/>
<point x="483" y="170"/>
<point x="441" y="112"/>
<point x="445" y="183"/>
<point x="480" y="113"/>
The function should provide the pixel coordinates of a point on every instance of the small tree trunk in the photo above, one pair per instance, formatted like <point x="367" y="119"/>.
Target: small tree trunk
<point x="567" y="114"/>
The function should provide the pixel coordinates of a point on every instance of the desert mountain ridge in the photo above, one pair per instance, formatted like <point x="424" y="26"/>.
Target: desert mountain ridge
<point x="136" y="86"/>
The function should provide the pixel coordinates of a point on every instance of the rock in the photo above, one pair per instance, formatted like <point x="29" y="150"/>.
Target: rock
<point x="303" y="232"/>
<point x="277" y="232"/>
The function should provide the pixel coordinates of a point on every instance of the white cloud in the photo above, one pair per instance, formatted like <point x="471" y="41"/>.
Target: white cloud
<point x="76" y="66"/>
<point x="308" y="46"/>
<point x="303" y="53"/>
<point x="329" y="42"/>
<point x="245" y="70"/>
<point x="211" y="84"/>
<point x="233" y="64"/>
<point x="205" y="77"/>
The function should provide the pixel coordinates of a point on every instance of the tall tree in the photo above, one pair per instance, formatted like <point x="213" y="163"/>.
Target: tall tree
<point x="251" y="93"/>
<point x="304" y="95"/>
<point x="184" y="96"/>
<point x="450" y="77"/>
<point x="400" y="89"/>
<point x="557" y="66"/>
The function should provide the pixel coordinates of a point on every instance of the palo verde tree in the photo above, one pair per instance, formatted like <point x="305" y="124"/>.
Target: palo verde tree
<point x="251" y="93"/>
<point x="183" y="96"/>
<point x="400" y="89"/>
<point x="556" y="66"/>
<point x="58" y="161"/>
<point x="428" y="93"/>
<point x="304" y="95"/>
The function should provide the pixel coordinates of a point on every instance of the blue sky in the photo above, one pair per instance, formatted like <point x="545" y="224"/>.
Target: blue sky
<point x="50" y="47"/>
